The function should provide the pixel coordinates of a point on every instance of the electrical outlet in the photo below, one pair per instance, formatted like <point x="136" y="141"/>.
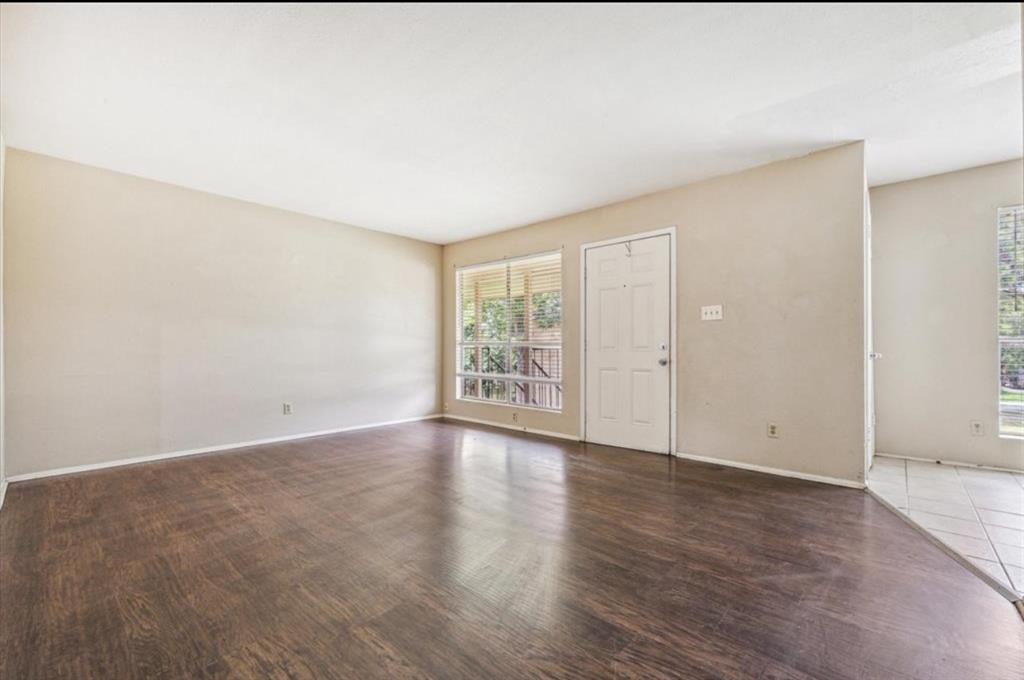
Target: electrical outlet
<point x="286" y="408"/>
<point x="446" y="406"/>
<point x="711" y="313"/>
<point x="773" y="430"/>
<point x="977" y="428"/>
<point x="515" y="417"/>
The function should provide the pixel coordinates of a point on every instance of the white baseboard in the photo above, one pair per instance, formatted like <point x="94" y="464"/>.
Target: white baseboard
<point x="954" y="463"/>
<point x="3" y="493"/>
<point x="206" y="449"/>
<point x="703" y="459"/>
<point x="773" y="471"/>
<point x="517" y="428"/>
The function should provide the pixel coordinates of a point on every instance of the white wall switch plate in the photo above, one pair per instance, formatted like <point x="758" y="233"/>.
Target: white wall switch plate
<point x="711" y="313"/>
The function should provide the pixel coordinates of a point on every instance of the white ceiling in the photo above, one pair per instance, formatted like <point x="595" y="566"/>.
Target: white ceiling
<point x="444" y="122"/>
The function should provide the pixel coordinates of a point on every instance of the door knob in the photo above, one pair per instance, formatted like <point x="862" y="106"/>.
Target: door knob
<point x="663" y="362"/>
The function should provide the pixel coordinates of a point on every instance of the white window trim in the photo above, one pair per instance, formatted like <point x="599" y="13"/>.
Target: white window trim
<point x="999" y="337"/>
<point x="506" y="377"/>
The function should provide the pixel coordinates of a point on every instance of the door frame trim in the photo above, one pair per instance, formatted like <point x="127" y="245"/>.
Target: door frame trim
<point x="870" y="377"/>
<point x="673" y="356"/>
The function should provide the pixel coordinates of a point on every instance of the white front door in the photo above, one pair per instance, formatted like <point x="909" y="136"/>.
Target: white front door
<point x="627" y="344"/>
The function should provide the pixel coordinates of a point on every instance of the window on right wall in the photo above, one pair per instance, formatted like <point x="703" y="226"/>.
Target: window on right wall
<point x="1011" y="321"/>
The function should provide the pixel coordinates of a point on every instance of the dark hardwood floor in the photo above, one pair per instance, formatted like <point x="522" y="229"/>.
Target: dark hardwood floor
<point x="439" y="550"/>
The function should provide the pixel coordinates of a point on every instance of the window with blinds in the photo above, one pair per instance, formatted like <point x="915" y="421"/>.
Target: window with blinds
<point x="509" y="336"/>
<point x="1011" y="321"/>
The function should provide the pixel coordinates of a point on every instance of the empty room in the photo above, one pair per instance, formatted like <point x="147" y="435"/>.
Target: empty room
<point x="514" y="340"/>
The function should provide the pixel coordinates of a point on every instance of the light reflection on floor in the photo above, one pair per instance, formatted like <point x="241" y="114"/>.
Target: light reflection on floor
<point x="531" y="490"/>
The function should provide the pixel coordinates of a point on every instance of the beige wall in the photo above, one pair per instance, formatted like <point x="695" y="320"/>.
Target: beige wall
<point x="935" y="292"/>
<point x="145" y="318"/>
<point x="781" y="247"/>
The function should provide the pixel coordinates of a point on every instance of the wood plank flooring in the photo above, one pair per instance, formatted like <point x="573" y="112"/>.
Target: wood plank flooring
<point x="439" y="550"/>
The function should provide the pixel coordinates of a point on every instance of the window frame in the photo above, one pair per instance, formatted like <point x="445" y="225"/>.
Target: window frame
<point x="1001" y="340"/>
<point x="508" y="343"/>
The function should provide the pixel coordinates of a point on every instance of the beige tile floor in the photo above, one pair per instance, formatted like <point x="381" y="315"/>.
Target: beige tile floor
<point x="978" y="513"/>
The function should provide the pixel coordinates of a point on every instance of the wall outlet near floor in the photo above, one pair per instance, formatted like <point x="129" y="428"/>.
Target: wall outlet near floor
<point x="977" y="428"/>
<point x="773" y="430"/>
<point x="515" y="417"/>
<point x="711" y="313"/>
<point x="286" y="408"/>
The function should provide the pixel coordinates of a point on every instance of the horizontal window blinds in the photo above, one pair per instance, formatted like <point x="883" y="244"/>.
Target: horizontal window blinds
<point x="1011" y="321"/>
<point x="509" y="347"/>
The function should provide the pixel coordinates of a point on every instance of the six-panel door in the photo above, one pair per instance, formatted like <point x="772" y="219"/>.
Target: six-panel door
<point x="628" y="332"/>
